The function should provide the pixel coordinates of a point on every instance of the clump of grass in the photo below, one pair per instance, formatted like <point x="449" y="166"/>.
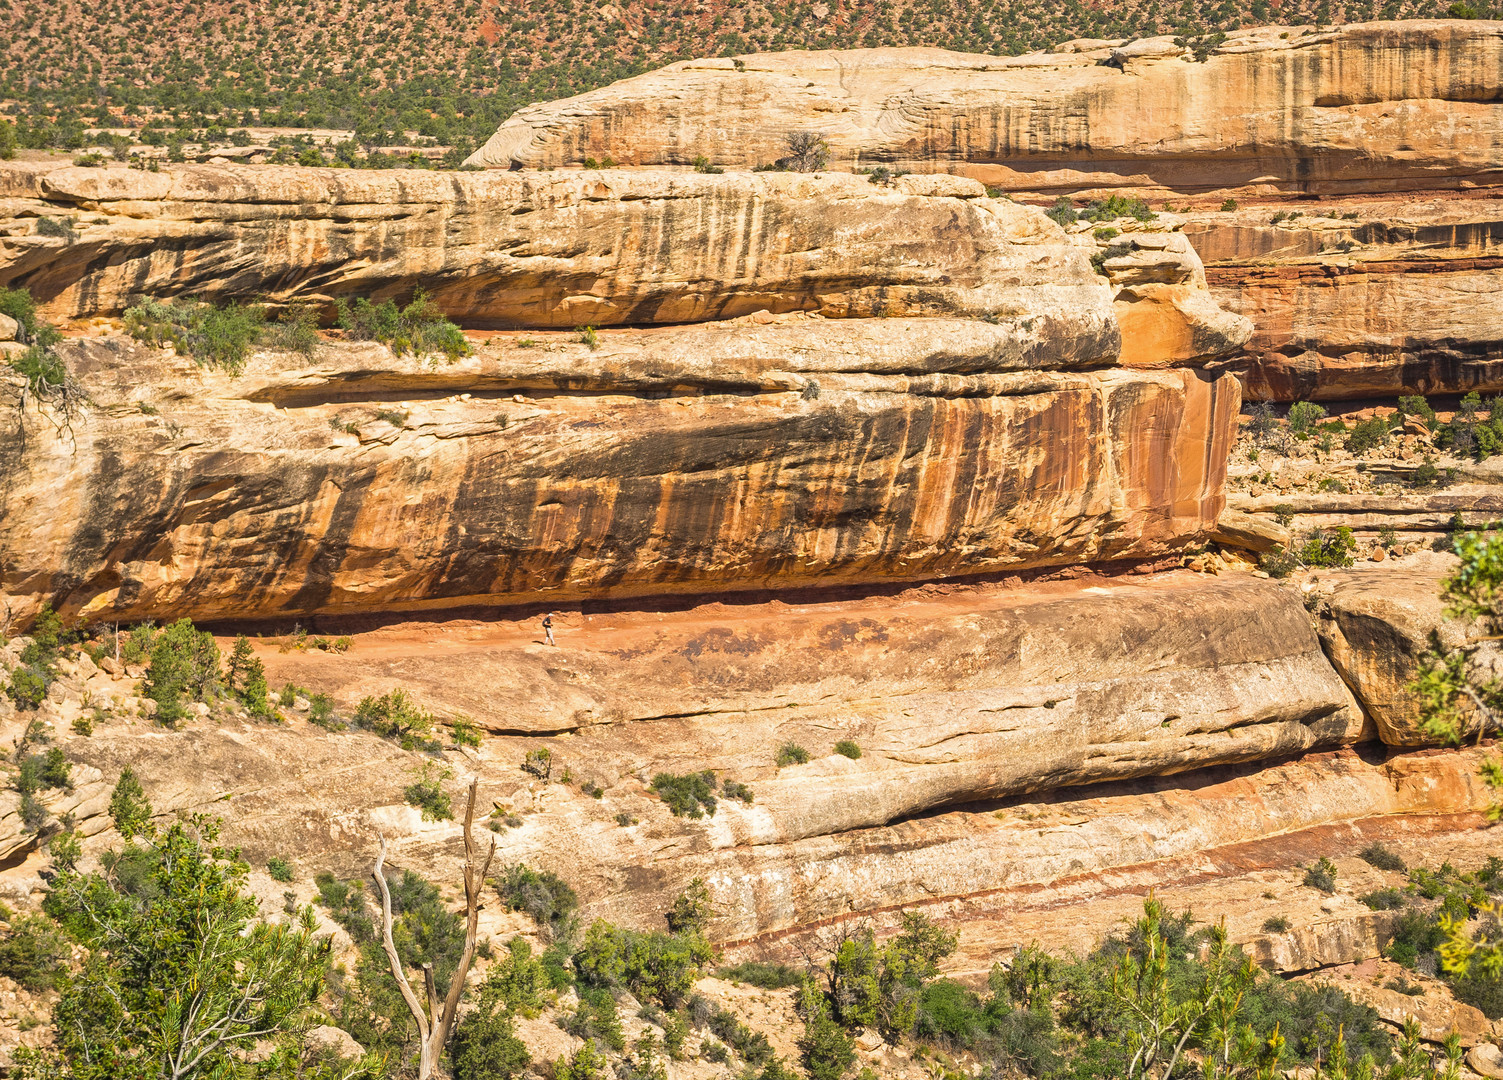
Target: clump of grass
<point x="1321" y="876"/>
<point x="791" y="753"/>
<point x="1376" y="855"/>
<point x="1276" y="924"/>
<point x="279" y="869"/>
<point x="847" y="748"/>
<point x="588" y="336"/>
<point x="765" y="976"/>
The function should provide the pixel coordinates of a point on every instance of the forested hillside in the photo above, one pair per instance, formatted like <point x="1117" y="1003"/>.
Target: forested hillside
<point x="454" y="70"/>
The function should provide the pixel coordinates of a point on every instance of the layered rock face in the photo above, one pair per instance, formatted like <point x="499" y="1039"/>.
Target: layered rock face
<point x="247" y="498"/>
<point x="1408" y="104"/>
<point x="978" y="424"/>
<point x="1361" y="298"/>
<point x="539" y="250"/>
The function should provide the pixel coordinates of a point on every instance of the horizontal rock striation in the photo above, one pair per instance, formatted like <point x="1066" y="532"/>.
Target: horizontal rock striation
<point x="1361" y="298"/>
<point x="981" y="695"/>
<point x="1396" y="104"/>
<point x="559" y="250"/>
<point x="361" y="483"/>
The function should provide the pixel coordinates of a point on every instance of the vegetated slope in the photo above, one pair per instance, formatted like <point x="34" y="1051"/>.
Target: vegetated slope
<point x="453" y="71"/>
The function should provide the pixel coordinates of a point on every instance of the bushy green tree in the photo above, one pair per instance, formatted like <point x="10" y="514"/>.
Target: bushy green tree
<point x="184" y="667"/>
<point x="181" y="978"/>
<point x="129" y="809"/>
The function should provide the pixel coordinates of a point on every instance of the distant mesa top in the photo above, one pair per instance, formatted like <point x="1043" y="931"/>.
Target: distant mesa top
<point x="1285" y="108"/>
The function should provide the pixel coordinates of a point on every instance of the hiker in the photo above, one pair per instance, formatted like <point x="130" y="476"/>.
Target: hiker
<point x="548" y="629"/>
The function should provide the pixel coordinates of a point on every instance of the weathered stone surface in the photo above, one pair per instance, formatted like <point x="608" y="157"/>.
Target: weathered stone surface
<point x="1339" y="939"/>
<point x="358" y="483"/>
<point x="332" y="1040"/>
<point x="1361" y="298"/>
<point x="1374" y="626"/>
<point x="678" y="690"/>
<point x="9" y="328"/>
<point x="1435" y="1011"/>
<point x="554" y="250"/>
<point x="1486" y="1059"/>
<point x="1366" y="106"/>
<point x="1252" y="532"/>
<point x="991" y="693"/>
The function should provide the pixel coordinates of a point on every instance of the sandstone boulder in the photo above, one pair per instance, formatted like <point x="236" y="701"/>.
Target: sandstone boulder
<point x="1486" y="1059"/>
<point x="1295" y="108"/>
<point x="333" y="1040"/>
<point x="1375" y="624"/>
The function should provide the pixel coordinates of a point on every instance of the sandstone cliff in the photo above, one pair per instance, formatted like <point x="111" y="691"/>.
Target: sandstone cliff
<point x="1396" y="105"/>
<point x="541" y="250"/>
<point x="633" y="470"/>
<point x="1361" y="298"/>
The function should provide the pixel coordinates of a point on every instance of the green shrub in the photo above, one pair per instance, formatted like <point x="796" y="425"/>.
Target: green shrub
<point x="1276" y="924"/>
<point x="1303" y="416"/>
<point x="734" y="789"/>
<point x="1063" y="211"/>
<point x="691" y="911"/>
<point x="1328" y="549"/>
<point x="214" y="336"/>
<point x="295" y="330"/>
<point x="847" y="748"/>
<point x="545" y="897"/>
<point x="1228" y="205"/>
<point x="587" y="336"/>
<point x="485" y="1045"/>
<point x="427" y="794"/>
<point x="1414" y="934"/>
<point x="1417" y="407"/>
<point x="539" y="763"/>
<point x="1379" y="856"/>
<point x="586" y="1064"/>
<point x="464" y="731"/>
<point x="34" y="954"/>
<point x="766" y="976"/>
<point x="1117" y="206"/>
<point x="129" y="809"/>
<point x="702" y="165"/>
<point x="661" y="966"/>
<point x="420" y="328"/>
<point x="184" y="664"/>
<point x="279" y="869"/>
<point x="321" y="712"/>
<point x="1367" y="435"/>
<point x="397" y="717"/>
<point x="691" y="795"/>
<point x="1321" y="876"/>
<point x="1383" y="899"/>
<point x="791" y="753"/>
<point x="44" y="370"/>
<point x="826" y="1050"/>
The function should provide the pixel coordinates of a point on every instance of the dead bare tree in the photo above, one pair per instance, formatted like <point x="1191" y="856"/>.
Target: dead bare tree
<point x="435" y="1020"/>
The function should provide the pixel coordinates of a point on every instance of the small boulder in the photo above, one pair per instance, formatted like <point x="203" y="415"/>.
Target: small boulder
<point x="333" y="1040"/>
<point x="113" y="666"/>
<point x="9" y="328"/>
<point x="1486" y="1059"/>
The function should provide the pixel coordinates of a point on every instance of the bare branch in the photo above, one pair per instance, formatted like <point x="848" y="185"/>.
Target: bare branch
<point x="413" y="1005"/>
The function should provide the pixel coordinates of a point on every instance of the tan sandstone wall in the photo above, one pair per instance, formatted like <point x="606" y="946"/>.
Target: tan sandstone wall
<point x="1407" y="104"/>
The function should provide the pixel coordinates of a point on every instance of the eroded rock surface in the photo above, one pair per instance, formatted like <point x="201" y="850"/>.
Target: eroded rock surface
<point x="549" y="250"/>
<point x="360" y="483"/>
<point x="1400" y="103"/>
<point x="1361" y="298"/>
